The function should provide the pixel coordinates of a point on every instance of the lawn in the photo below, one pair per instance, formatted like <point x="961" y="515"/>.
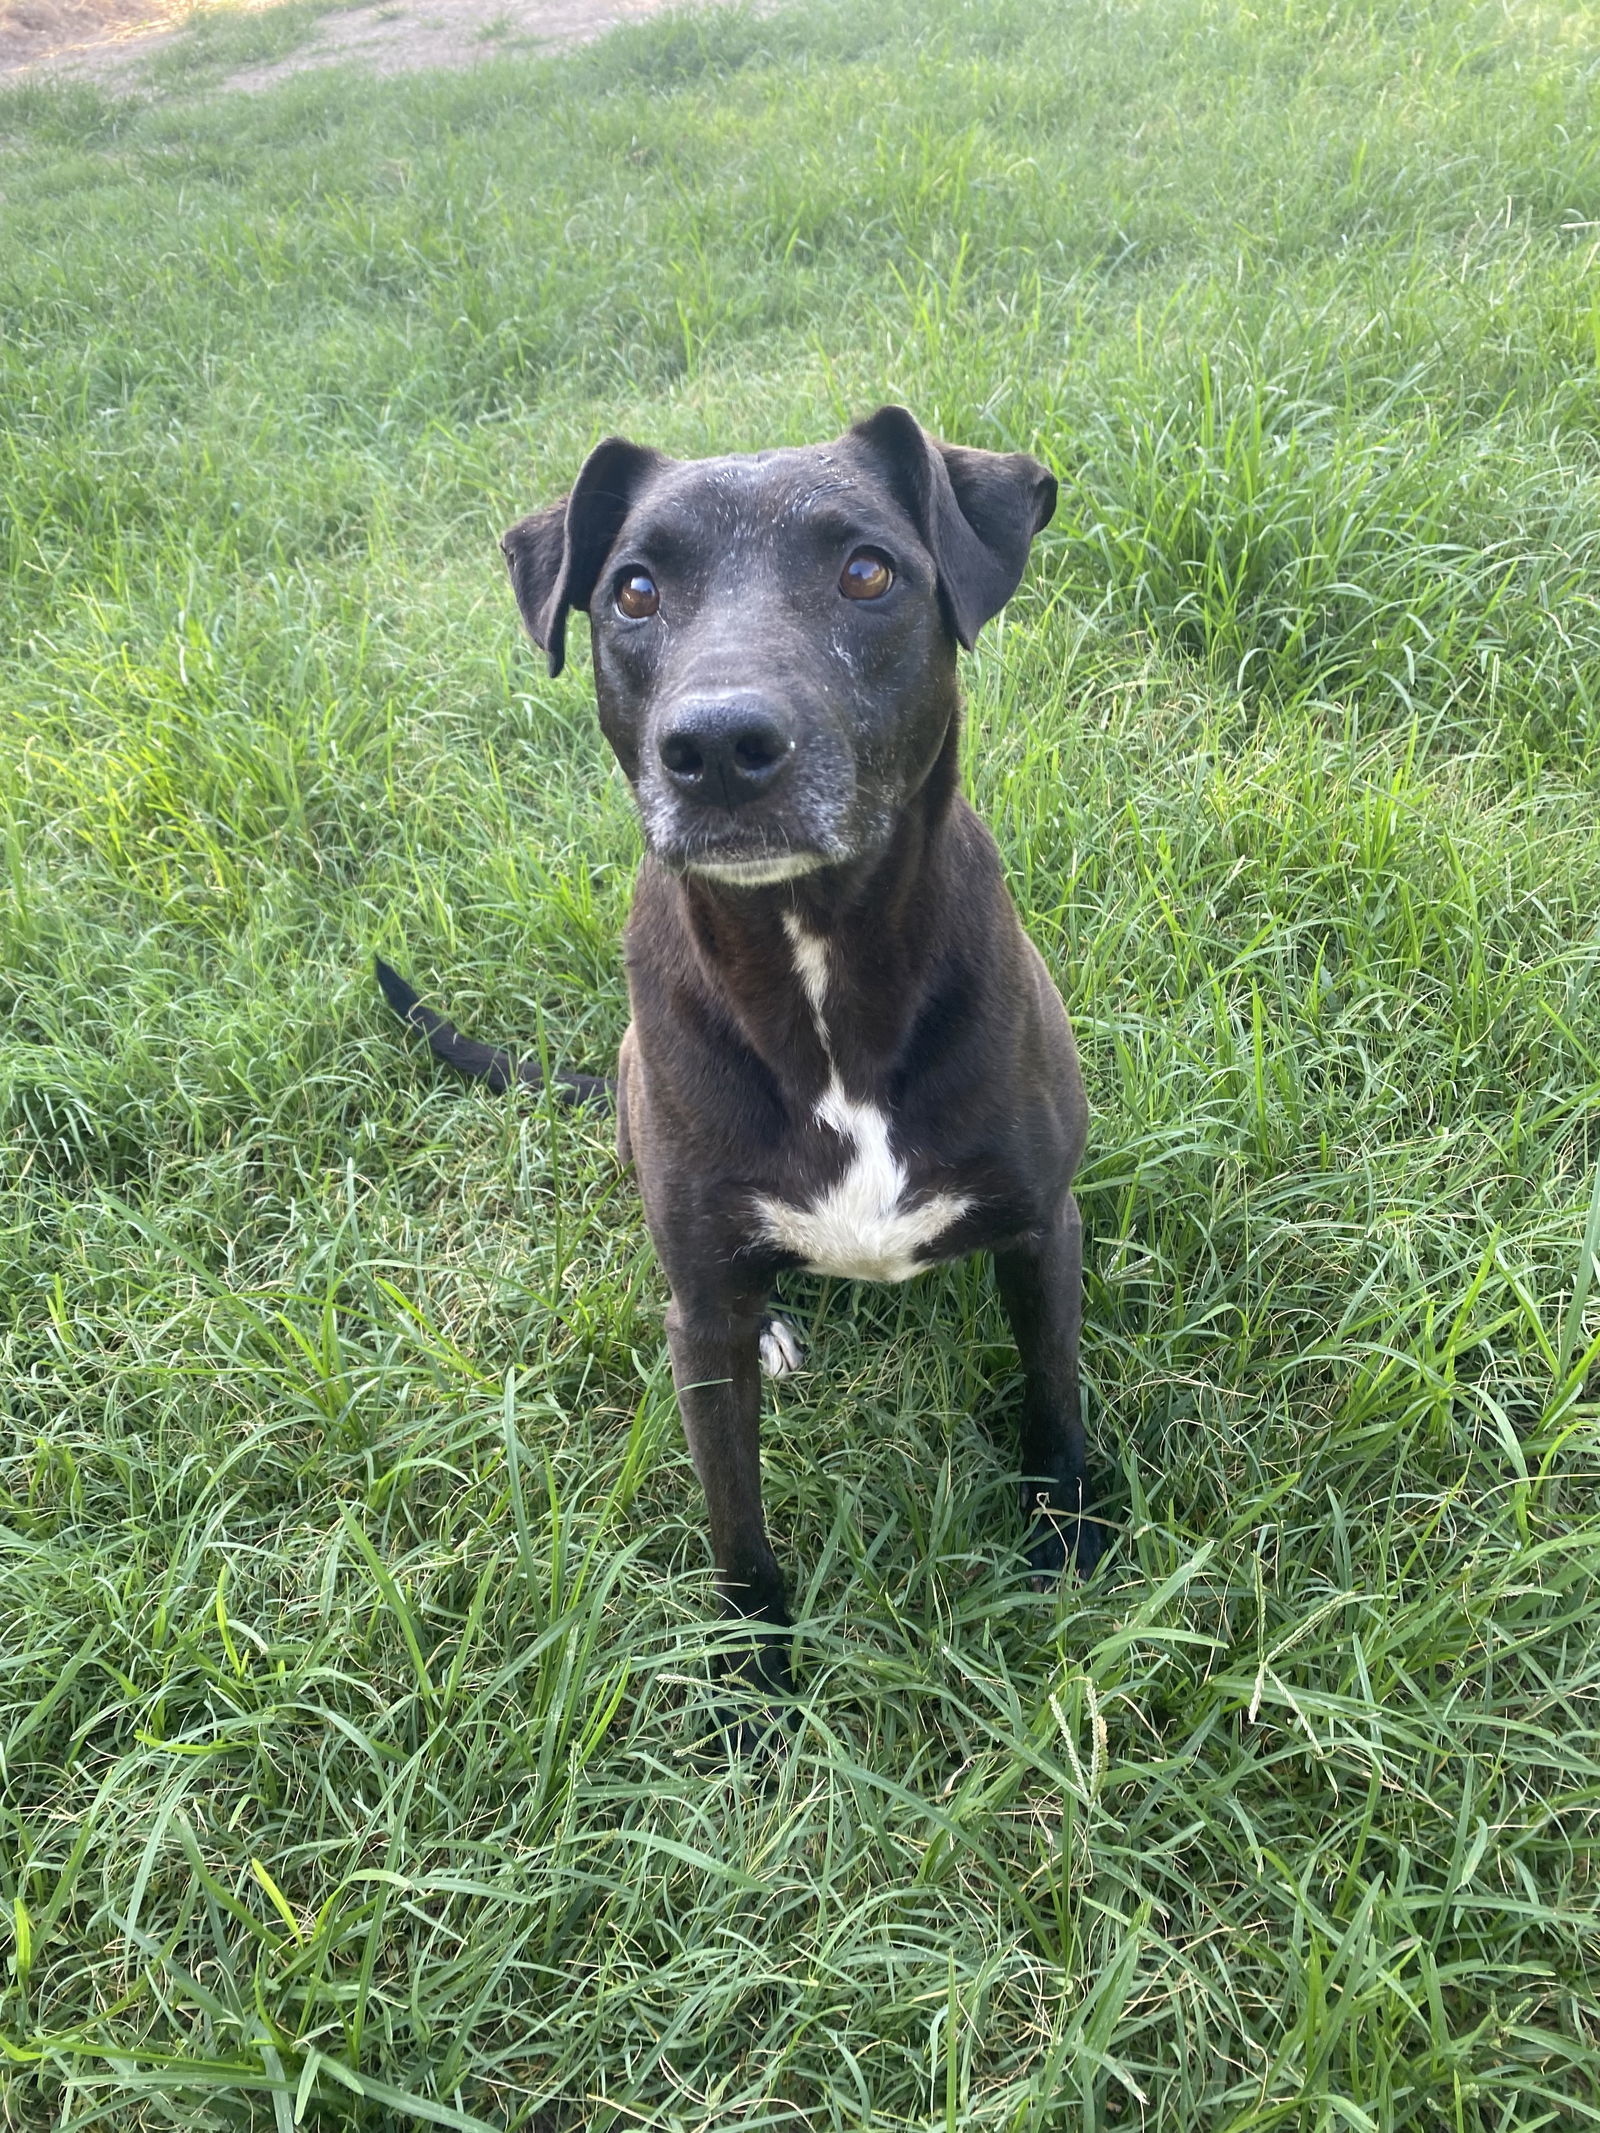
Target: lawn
<point x="356" y="1614"/>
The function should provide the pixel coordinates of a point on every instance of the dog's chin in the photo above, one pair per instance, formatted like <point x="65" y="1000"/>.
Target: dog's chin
<point x="755" y="873"/>
<point x="747" y="862"/>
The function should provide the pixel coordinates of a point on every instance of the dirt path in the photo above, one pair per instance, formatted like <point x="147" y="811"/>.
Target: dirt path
<point x="110" y="40"/>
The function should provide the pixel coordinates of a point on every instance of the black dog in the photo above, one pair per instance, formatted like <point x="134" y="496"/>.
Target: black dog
<point x="845" y="1054"/>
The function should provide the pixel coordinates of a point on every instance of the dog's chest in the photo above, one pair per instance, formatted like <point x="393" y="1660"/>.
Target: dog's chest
<point x="869" y="1224"/>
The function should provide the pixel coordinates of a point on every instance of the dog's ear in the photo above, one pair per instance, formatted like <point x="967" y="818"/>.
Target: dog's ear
<point x="556" y="556"/>
<point x="977" y="511"/>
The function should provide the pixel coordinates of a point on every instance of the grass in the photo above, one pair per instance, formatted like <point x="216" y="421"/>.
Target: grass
<point x="355" y="1602"/>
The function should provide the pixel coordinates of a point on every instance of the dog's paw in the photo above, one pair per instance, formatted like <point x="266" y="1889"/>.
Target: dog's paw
<point x="752" y="1734"/>
<point x="1058" y="1536"/>
<point x="781" y="1348"/>
<point x="752" y="1714"/>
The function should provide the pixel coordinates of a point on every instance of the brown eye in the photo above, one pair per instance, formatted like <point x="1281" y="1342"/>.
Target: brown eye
<point x="636" y="594"/>
<point x="867" y="576"/>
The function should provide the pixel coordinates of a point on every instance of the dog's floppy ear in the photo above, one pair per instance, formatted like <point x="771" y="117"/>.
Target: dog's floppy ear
<point x="977" y="511"/>
<point x="556" y="556"/>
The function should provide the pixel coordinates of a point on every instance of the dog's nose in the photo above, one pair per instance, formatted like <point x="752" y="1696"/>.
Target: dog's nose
<point x="725" y="750"/>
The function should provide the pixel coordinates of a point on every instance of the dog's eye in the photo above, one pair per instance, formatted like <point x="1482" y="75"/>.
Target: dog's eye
<point x="867" y="575"/>
<point x="636" y="594"/>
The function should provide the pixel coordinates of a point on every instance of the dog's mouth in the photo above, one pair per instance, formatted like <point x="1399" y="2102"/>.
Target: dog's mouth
<point x="748" y="861"/>
<point x="748" y="856"/>
<point x="757" y="872"/>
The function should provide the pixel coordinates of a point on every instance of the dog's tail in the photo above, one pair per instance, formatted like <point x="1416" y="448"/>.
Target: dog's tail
<point x="482" y="1062"/>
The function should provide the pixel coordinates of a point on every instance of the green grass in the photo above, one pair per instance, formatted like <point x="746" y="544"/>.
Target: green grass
<point x="355" y="1611"/>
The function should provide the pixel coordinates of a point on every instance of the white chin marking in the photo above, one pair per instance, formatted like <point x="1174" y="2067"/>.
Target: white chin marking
<point x="782" y="1350"/>
<point x="756" y="873"/>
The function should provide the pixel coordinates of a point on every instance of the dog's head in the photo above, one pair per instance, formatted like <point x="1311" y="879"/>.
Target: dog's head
<point x="775" y="635"/>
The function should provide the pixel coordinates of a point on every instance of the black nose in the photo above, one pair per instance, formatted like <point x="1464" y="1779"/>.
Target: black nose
<point x="725" y="750"/>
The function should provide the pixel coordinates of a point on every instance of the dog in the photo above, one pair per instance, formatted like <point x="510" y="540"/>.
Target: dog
<point x="845" y="1054"/>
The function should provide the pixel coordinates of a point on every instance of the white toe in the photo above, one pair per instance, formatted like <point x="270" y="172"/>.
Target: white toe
<point x="781" y="1349"/>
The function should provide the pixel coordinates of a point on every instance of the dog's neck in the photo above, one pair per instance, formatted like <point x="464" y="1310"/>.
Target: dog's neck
<point x="831" y="968"/>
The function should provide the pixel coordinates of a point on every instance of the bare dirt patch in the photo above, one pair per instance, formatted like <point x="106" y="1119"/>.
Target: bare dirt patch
<point x="111" y="40"/>
<point x="35" y="31"/>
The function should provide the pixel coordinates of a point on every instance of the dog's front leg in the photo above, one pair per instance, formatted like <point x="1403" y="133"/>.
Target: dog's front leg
<point x="716" y="1368"/>
<point x="1041" y="1285"/>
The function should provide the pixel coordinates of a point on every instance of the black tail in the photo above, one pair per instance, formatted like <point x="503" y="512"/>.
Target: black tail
<point x="481" y="1062"/>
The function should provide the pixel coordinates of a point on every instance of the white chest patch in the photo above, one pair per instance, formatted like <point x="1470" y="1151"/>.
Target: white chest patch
<point x="859" y="1227"/>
